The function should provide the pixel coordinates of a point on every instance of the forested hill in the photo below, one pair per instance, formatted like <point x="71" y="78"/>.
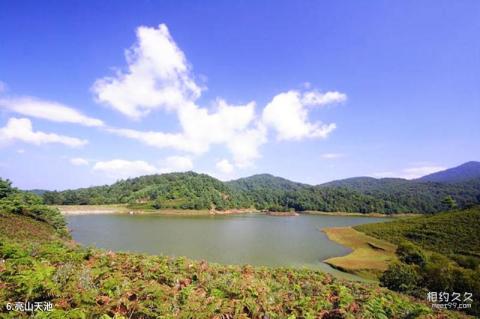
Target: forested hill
<point x="175" y="190"/>
<point x="413" y="195"/>
<point x="266" y="192"/>
<point x="262" y="181"/>
<point x="199" y="191"/>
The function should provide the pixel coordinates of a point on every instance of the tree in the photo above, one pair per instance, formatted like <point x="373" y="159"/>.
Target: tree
<point x="409" y="253"/>
<point x="400" y="277"/>
<point x="5" y="188"/>
<point x="449" y="202"/>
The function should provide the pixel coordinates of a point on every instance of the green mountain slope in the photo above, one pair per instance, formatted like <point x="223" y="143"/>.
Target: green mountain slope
<point x="401" y="195"/>
<point x="451" y="233"/>
<point x="275" y="193"/>
<point x="265" y="181"/>
<point x="199" y="191"/>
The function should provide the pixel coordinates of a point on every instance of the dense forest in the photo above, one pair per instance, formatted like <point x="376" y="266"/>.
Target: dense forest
<point x="266" y="192"/>
<point x="401" y="195"/>
<point x="175" y="190"/>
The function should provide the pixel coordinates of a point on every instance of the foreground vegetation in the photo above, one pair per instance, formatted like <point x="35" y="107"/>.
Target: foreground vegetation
<point x="38" y="262"/>
<point x="437" y="253"/>
<point x="266" y="192"/>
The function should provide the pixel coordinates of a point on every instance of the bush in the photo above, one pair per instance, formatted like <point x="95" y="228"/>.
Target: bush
<point x="6" y="188"/>
<point x="400" y="277"/>
<point x="409" y="253"/>
<point x="437" y="273"/>
<point x="469" y="262"/>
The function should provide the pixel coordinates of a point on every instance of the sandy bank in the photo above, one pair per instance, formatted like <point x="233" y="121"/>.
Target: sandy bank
<point x="315" y="212"/>
<point x="282" y="213"/>
<point x="123" y="209"/>
<point x="91" y="209"/>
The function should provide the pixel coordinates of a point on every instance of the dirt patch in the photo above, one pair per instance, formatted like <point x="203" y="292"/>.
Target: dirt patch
<point x="282" y="213"/>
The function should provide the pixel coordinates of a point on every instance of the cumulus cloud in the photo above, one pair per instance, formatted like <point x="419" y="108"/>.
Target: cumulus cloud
<point x="245" y="145"/>
<point x="157" y="76"/>
<point x="119" y="168"/>
<point x="332" y="155"/>
<point x="78" y="161"/>
<point x="47" y="110"/>
<point x="317" y="98"/>
<point x="224" y="166"/>
<point x="229" y="125"/>
<point x="20" y="129"/>
<point x="176" y="164"/>
<point x="287" y="113"/>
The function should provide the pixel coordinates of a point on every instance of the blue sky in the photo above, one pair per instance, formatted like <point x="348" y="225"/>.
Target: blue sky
<point x="309" y="90"/>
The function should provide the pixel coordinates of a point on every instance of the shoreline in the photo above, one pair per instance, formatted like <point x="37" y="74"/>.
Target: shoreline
<point x="71" y="210"/>
<point x="315" y="212"/>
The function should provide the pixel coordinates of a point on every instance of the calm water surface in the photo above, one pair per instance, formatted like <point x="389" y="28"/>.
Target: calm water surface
<point x="241" y="239"/>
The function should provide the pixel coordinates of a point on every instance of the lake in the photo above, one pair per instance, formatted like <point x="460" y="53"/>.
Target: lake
<point x="234" y="239"/>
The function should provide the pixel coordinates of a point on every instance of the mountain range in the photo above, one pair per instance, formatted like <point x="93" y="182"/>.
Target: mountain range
<point x="191" y="190"/>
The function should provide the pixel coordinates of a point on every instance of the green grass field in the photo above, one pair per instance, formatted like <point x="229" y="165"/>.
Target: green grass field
<point x="370" y="256"/>
<point x="452" y="233"/>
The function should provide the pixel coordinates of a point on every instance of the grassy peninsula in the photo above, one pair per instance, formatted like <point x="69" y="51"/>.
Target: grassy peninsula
<point x="370" y="256"/>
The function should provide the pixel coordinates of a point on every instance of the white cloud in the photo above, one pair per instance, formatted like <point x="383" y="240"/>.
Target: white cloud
<point x="416" y="172"/>
<point x="411" y="172"/>
<point x="332" y="155"/>
<point x="224" y="166"/>
<point x="176" y="164"/>
<point x="157" y="139"/>
<point x="158" y="76"/>
<point x="119" y="168"/>
<point x="20" y="151"/>
<point x="48" y="110"/>
<point x="20" y="129"/>
<point x="317" y="98"/>
<point x="229" y="125"/>
<point x="78" y="161"/>
<point x="288" y="115"/>
<point x="245" y="146"/>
